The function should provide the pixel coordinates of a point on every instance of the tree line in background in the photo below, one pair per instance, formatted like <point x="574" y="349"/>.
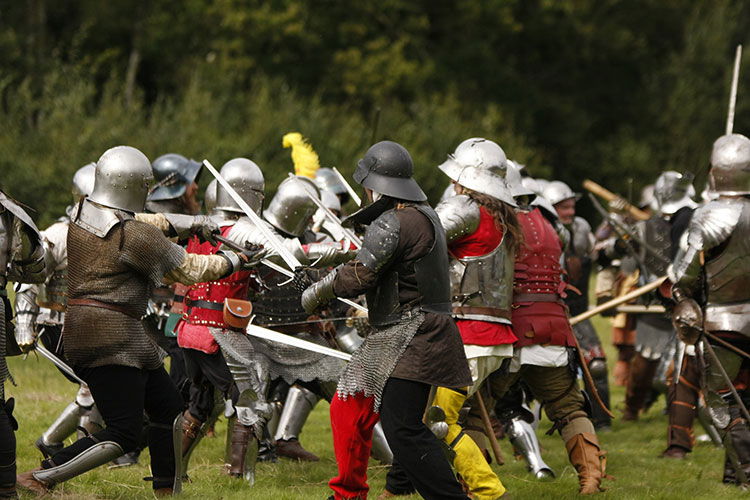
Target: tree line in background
<point x="606" y="89"/>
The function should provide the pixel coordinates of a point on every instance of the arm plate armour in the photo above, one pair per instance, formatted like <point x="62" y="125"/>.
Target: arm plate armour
<point x="380" y="242"/>
<point x="244" y="231"/>
<point x="459" y="216"/>
<point x="582" y="237"/>
<point x="27" y="263"/>
<point x="710" y="226"/>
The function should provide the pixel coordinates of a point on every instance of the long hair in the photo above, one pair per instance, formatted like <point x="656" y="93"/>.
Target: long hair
<point x="504" y="215"/>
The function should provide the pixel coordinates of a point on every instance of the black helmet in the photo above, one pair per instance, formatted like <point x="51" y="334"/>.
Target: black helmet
<point x="173" y="173"/>
<point x="387" y="169"/>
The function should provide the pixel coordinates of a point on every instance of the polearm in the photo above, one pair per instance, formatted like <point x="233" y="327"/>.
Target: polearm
<point x="733" y="92"/>
<point x="348" y="187"/>
<point x="331" y="216"/>
<point x="608" y="195"/>
<point x="286" y="255"/>
<point x="618" y="300"/>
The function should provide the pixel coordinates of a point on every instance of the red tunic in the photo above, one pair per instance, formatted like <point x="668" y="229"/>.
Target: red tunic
<point x="481" y="242"/>
<point x="192" y="329"/>
<point x="539" y="314"/>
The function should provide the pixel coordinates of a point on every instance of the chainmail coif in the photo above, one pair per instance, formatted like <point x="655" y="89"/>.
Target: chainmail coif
<point x="374" y="361"/>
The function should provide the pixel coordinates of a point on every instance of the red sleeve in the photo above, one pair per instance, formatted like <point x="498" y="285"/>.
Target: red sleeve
<point x="482" y="241"/>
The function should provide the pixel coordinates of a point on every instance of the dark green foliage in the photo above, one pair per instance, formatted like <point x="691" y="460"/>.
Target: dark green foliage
<point x="606" y="89"/>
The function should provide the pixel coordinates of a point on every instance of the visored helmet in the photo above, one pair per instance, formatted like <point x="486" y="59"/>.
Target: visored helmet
<point x="121" y="179"/>
<point x="730" y="165"/>
<point x="246" y="178"/>
<point x="387" y="169"/>
<point x="480" y="165"/>
<point x="173" y="173"/>
<point x="557" y="191"/>
<point x="673" y="191"/>
<point x="291" y="208"/>
<point x="83" y="180"/>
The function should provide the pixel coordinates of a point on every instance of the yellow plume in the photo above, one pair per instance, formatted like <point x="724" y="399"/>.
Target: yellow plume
<point x="304" y="157"/>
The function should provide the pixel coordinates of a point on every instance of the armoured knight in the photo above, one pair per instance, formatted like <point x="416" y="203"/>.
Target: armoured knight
<point x="578" y="263"/>
<point x="655" y="338"/>
<point x="40" y="312"/>
<point x="402" y="268"/>
<point x="21" y="261"/>
<point x="709" y="274"/>
<point x="113" y="262"/>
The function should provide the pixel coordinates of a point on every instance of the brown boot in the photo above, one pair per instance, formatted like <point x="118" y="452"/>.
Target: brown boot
<point x="588" y="459"/>
<point x="677" y="452"/>
<point x="26" y="481"/>
<point x="163" y="492"/>
<point x="620" y="373"/>
<point x="640" y="378"/>
<point x="191" y="428"/>
<point x="292" y="448"/>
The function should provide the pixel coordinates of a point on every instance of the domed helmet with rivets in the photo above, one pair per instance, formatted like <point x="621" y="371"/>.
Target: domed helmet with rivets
<point x="480" y="165"/>
<point x="387" y="169"/>
<point x="247" y="180"/>
<point x="121" y="179"/>
<point x="730" y="165"/>
<point x="326" y="179"/>
<point x="291" y="208"/>
<point x="673" y="191"/>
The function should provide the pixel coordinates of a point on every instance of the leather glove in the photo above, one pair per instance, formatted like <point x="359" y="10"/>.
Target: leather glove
<point x="687" y="317"/>
<point x="319" y="293"/>
<point x="252" y="256"/>
<point x="25" y="333"/>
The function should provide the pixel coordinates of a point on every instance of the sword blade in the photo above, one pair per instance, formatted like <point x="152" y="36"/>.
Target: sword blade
<point x="271" y="238"/>
<point x="264" y="333"/>
<point x="59" y="363"/>
<point x="348" y="187"/>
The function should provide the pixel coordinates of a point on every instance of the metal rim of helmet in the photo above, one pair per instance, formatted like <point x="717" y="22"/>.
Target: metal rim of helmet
<point x="122" y="178"/>
<point x="480" y="165"/>
<point x="730" y="166"/>
<point x="173" y="173"/>
<point x="557" y="191"/>
<point x="246" y="178"/>
<point x="83" y="180"/>
<point x="291" y="209"/>
<point x="673" y="191"/>
<point x="330" y="200"/>
<point x="387" y="168"/>
<point x="209" y="197"/>
<point x="518" y="188"/>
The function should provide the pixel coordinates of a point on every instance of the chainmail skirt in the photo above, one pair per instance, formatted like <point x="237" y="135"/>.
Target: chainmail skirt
<point x="373" y="362"/>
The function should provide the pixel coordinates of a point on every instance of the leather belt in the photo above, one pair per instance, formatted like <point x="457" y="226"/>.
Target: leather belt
<point x="204" y="304"/>
<point x="485" y="311"/>
<point x="536" y="297"/>
<point x="103" y="305"/>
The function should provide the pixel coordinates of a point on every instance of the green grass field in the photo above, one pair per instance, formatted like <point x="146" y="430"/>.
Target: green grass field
<point x="633" y="450"/>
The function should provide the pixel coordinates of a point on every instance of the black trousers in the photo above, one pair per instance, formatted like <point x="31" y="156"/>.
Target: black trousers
<point x="414" y="446"/>
<point x="122" y="394"/>
<point x="8" y="426"/>
<point x="207" y="373"/>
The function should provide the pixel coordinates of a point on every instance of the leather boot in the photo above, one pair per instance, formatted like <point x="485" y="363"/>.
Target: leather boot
<point x="641" y="376"/>
<point x="292" y="448"/>
<point x="243" y="452"/>
<point x="163" y="492"/>
<point x="588" y="459"/>
<point x="191" y="428"/>
<point x="27" y="482"/>
<point x="621" y="373"/>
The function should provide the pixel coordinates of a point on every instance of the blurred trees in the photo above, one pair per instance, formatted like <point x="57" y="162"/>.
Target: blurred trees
<point x="572" y="88"/>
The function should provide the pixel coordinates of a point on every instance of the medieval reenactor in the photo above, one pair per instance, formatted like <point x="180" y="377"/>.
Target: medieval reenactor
<point x="402" y="267"/>
<point x="710" y="276"/>
<point x="114" y="261"/>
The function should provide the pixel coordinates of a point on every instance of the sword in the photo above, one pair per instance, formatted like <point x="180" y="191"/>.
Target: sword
<point x="348" y="187"/>
<point x="59" y="363"/>
<point x="332" y="217"/>
<point x="733" y="92"/>
<point x="264" y="333"/>
<point x="286" y="255"/>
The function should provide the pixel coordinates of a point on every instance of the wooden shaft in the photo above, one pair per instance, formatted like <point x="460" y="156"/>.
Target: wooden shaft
<point x="488" y="429"/>
<point x="608" y="195"/>
<point x="618" y="300"/>
<point x="641" y="309"/>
